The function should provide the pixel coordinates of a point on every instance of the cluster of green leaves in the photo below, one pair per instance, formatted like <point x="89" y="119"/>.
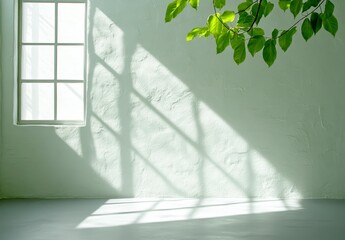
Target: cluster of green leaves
<point x="240" y="28"/>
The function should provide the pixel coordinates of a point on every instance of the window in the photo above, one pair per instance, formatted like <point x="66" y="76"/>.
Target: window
<point x="52" y="62"/>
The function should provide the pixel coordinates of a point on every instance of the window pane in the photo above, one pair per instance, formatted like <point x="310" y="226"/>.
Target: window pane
<point x="37" y="101"/>
<point x="38" y="22"/>
<point x="70" y="64"/>
<point x="37" y="62"/>
<point x="70" y="98"/>
<point x="71" y="22"/>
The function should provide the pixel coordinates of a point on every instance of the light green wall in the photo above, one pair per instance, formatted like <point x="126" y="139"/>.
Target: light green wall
<point x="171" y="118"/>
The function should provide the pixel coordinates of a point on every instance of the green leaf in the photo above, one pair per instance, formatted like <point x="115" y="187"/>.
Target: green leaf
<point x="219" y="3"/>
<point x="197" y="32"/>
<point x="239" y="46"/>
<point x="330" y="25"/>
<point x="284" y="4"/>
<point x="240" y="53"/>
<point x="329" y="9"/>
<point x="174" y="8"/>
<point x="255" y="8"/>
<point x="194" y="3"/>
<point x="314" y="3"/>
<point x="223" y="41"/>
<point x="256" y="32"/>
<point x="255" y="44"/>
<point x="268" y="9"/>
<point x="215" y="26"/>
<point x="275" y="33"/>
<point x="316" y="22"/>
<point x="245" y="20"/>
<point x="307" y="30"/>
<point x="228" y="16"/>
<point x="237" y="40"/>
<point x="244" y="6"/>
<point x="270" y="52"/>
<point x="285" y="38"/>
<point x="295" y="7"/>
<point x="310" y="3"/>
<point x="306" y="6"/>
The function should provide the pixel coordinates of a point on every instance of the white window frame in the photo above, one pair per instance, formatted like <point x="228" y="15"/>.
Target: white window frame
<point x="18" y="62"/>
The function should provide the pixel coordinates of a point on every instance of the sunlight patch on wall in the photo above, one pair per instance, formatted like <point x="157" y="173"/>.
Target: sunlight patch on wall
<point x="189" y="143"/>
<point x="108" y="41"/>
<point x="106" y="162"/>
<point x="119" y="212"/>
<point x="162" y="128"/>
<point x="149" y="135"/>
<point x="104" y="95"/>
<point x="71" y="136"/>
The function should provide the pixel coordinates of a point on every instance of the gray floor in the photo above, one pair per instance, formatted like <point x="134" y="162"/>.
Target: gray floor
<point x="213" y="219"/>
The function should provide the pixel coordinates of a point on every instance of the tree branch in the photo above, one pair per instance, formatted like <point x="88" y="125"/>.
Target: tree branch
<point x="256" y="16"/>
<point x="304" y="17"/>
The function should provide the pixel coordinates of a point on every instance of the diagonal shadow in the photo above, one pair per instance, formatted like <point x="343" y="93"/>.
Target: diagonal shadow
<point x="197" y="145"/>
<point x="271" y="112"/>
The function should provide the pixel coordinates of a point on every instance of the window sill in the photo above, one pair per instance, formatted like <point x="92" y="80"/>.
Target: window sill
<point x="51" y="123"/>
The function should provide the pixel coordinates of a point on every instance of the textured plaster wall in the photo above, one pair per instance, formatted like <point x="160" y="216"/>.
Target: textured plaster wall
<point x="170" y="118"/>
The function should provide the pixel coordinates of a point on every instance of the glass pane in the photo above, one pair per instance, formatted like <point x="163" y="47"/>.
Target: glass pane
<point x="70" y="101"/>
<point x="37" y="101"/>
<point x="71" y="23"/>
<point x="70" y="63"/>
<point x="38" y="22"/>
<point x="37" y="62"/>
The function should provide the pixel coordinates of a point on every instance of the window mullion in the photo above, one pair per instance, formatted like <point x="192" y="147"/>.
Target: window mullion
<point x="55" y="60"/>
<point x="19" y="75"/>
